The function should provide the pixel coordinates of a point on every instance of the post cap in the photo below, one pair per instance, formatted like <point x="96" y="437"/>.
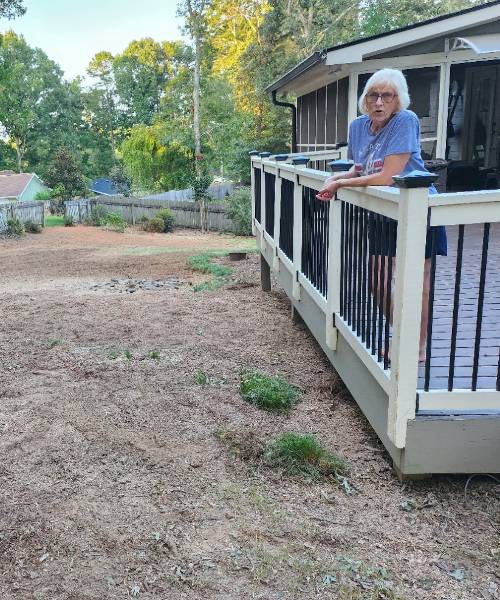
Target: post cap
<point x="264" y="154"/>
<point x="253" y="153"/>
<point x="280" y="156"/>
<point x="415" y="179"/>
<point x="340" y="165"/>
<point x="300" y="160"/>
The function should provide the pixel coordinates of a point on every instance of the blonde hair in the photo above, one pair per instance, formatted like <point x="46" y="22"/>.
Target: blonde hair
<point x="391" y="77"/>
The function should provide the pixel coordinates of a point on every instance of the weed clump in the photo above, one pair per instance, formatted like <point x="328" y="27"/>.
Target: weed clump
<point x="115" y="222"/>
<point x="32" y="227"/>
<point x="14" y="227"/>
<point x="154" y="225"/>
<point x="203" y="263"/>
<point x="269" y="393"/>
<point x="298" y="454"/>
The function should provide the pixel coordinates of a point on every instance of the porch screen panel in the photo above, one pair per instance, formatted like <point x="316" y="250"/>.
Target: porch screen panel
<point x="298" y="131"/>
<point x="304" y="120"/>
<point x="321" y="112"/>
<point x="342" y="124"/>
<point x="312" y="101"/>
<point x="331" y="113"/>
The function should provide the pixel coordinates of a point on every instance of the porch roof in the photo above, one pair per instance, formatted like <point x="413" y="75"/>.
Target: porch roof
<point x="328" y="62"/>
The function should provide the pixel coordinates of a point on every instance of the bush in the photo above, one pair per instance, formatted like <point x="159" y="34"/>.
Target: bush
<point x="303" y="455"/>
<point x="68" y="221"/>
<point x="154" y="225"/>
<point x="115" y="222"/>
<point x="168" y="219"/>
<point x="239" y="210"/>
<point x="43" y="195"/>
<point x="32" y="227"/>
<point x="98" y="215"/>
<point x="268" y="393"/>
<point x="14" y="227"/>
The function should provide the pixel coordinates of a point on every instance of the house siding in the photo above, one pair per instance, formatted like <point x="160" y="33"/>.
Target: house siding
<point x="32" y="189"/>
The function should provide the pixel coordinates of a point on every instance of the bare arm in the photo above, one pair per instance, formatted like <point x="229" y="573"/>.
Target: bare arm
<point x="393" y="164"/>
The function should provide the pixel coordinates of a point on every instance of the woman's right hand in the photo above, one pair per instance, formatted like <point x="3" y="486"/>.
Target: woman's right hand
<point x="329" y="189"/>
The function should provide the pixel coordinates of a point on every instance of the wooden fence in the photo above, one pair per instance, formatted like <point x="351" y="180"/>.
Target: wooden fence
<point x="23" y="211"/>
<point x="186" y="213"/>
<point x="217" y="191"/>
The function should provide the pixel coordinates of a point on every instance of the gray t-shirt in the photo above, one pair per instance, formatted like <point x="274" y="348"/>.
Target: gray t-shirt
<point x="401" y="135"/>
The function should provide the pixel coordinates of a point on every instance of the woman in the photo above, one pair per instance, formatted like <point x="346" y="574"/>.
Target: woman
<point x="385" y="141"/>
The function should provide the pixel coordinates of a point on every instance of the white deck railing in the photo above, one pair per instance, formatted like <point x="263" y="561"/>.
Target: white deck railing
<point x="339" y="277"/>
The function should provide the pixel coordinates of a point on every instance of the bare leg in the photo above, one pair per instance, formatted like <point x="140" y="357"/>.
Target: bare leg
<point x="425" y="309"/>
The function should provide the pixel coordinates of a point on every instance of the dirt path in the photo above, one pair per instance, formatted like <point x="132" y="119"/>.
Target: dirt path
<point x="118" y="478"/>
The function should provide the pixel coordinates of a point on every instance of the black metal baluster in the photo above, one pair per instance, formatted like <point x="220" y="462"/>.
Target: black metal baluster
<point x="370" y="267"/>
<point x="364" y="259"/>
<point x="456" y="306"/>
<point x="355" y="267"/>
<point x="359" y="291"/>
<point x="428" y="350"/>
<point x="480" y="301"/>
<point x="388" y="304"/>
<point x="376" y="269"/>
<point x="342" y="245"/>
<point x="382" y="286"/>
<point x="349" y="268"/>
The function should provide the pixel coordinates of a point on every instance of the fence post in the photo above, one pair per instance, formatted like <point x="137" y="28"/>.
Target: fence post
<point x="410" y="257"/>
<point x="277" y="211"/>
<point x="299" y="161"/>
<point x="334" y="258"/>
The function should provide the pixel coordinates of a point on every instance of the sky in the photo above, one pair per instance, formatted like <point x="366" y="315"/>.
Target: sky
<point x="71" y="32"/>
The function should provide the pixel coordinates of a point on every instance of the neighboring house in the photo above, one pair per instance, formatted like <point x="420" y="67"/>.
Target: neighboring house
<point x="22" y="187"/>
<point x="452" y="65"/>
<point x="103" y="187"/>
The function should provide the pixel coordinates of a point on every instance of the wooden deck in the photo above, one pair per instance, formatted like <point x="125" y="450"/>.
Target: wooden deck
<point x="443" y="310"/>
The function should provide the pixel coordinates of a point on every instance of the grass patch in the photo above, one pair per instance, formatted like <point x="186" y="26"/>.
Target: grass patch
<point x="54" y="342"/>
<point x="269" y="393"/>
<point x="203" y="263"/>
<point x="154" y="354"/>
<point x="201" y="378"/>
<point x="128" y="354"/>
<point x="303" y="455"/>
<point x="54" y="221"/>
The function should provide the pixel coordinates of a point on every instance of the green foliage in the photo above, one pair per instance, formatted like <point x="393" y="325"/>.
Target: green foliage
<point x="203" y="263"/>
<point x="154" y="225"/>
<point x="12" y="8"/>
<point x="268" y="393"/>
<point x="115" y="222"/>
<point x="53" y="342"/>
<point x="68" y="221"/>
<point x="14" y="227"/>
<point x="239" y="210"/>
<point x="128" y="354"/>
<point x="120" y="180"/>
<point x="201" y="378"/>
<point x="98" y="215"/>
<point x="64" y="172"/>
<point x="154" y="355"/>
<point x="298" y="454"/>
<point x="44" y="195"/>
<point x="32" y="227"/>
<point x="168" y="219"/>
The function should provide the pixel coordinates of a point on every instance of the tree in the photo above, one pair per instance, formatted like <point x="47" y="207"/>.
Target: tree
<point x="11" y="8"/>
<point x="64" y="173"/>
<point x="120" y="179"/>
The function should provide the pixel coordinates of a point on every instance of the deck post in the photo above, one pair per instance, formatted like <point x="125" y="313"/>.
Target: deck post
<point x="410" y="257"/>
<point x="265" y="275"/>
<point x="334" y="257"/>
<point x="277" y="211"/>
<point x="252" y="187"/>
<point x="297" y="227"/>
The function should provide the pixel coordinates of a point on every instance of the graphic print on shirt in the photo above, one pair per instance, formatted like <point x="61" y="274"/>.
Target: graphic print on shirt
<point x="372" y="164"/>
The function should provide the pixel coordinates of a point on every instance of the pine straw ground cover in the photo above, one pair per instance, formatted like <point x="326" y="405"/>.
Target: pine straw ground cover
<point x="126" y="474"/>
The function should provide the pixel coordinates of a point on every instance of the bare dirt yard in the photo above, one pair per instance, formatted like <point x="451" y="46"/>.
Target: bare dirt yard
<point x="125" y="473"/>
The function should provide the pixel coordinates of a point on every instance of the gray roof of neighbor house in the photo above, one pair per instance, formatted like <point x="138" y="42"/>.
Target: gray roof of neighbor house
<point x="12" y="185"/>
<point x="319" y="58"/>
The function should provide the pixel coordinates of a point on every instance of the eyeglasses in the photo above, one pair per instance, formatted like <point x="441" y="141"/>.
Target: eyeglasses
<point x="386" y="97"/>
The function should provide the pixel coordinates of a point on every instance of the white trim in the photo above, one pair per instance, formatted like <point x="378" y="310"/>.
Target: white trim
<point x="462" y="401"/>
<point x="318" y="298"/>
<point x="352" y="99"/>
<point x="465" y="214"/>
<point x="383" y="200"/>
<point x="442" y="115"/>
<point x="333" y="276"/>
<point x="297" y="238"/>
<point x="485" y="43"/>
<point x="376" y="369"/>
<point x="277" y="220"/>
<point x="285" y="261"/>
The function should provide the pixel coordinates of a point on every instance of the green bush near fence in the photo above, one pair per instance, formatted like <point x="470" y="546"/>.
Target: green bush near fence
<point x="115" y="222"/>
<point x="239" y="211"/>
<point x="14" y="227"/>
<point x="32" y="227"/>
<point x="97" y="216"/>
<point x="162" y="222"/>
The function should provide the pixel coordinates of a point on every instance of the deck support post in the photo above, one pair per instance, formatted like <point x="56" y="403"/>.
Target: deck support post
<point x="410" y="257"/>
<point x="265" y="275"/>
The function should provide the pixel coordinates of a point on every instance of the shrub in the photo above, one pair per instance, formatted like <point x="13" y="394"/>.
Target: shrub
<point x="115" y="222"/>
<point x="14" y="227"/>
<point x="168" y="219"/>
<point x="154" y="225"/>
<point x="268" y="393"/>
<point x="43" y="195"/>
<point x="239" y="210"/>
<point x="97" y="215"/>
<point x="32" y="227"/>
<point x="68" y="221"/>
<point x="303" y="455"/>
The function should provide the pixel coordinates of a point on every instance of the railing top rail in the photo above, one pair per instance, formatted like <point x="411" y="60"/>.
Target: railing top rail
<point x="474" y="197"/>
